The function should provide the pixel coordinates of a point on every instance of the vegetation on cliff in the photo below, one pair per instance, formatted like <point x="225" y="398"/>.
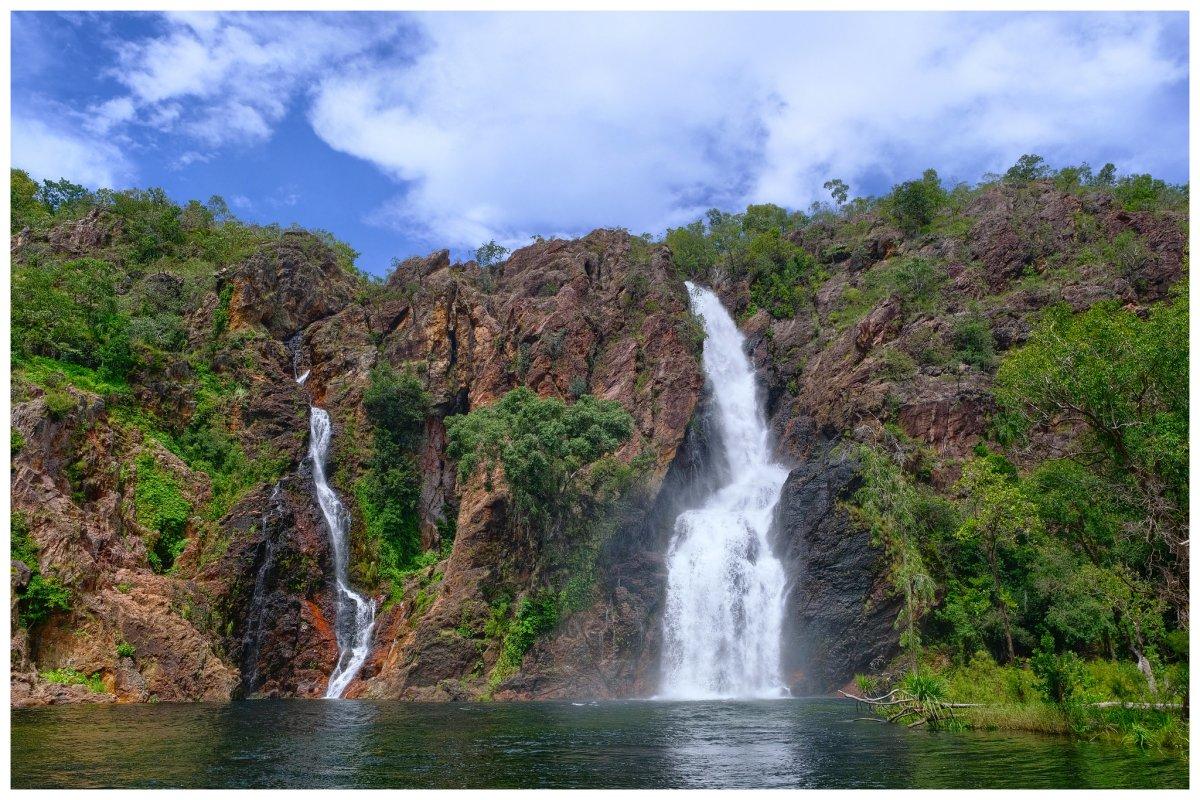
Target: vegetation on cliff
<point x="556" y="461"/>
<point x="389" y="490"/>
<point x="1006" y="363"/>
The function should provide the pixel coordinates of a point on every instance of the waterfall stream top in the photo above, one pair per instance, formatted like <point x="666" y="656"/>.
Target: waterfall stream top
<point x="725" y="588"/>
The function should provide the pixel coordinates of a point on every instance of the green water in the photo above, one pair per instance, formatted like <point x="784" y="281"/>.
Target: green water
<point x="781" y="743"/>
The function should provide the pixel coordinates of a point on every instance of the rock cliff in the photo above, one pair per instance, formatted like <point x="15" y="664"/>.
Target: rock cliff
<point x="246" y="607"/>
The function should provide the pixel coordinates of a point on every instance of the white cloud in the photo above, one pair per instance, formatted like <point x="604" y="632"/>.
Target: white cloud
<point x="229" y="78"/>
<point x="49" y="153"/>
<point x="503" y="125"/>
<point x="513" y="124"/>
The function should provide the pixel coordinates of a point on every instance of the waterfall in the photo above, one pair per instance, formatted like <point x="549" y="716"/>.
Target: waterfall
<point x="725" y="588"/>
<point x="355" y="613"/>
<point x="256" y="617"/>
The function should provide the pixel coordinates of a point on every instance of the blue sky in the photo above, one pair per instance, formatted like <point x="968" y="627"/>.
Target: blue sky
<point x="403" y="133"/>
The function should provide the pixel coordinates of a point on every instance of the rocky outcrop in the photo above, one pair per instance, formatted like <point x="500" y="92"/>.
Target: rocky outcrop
<point x="247" y="609"/>
<point x="562" y="318"/>
<point x="272" y="581"/>
<point x="71" y="487"/>
<point x="839" y="613"/>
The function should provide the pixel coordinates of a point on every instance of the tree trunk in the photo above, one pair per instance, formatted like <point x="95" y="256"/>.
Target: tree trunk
<point x="1143" y="662"/>
<point x="1000" y="606"/>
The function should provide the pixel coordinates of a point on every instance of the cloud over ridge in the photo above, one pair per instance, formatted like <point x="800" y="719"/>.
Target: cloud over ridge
<point x="504" y="125"/>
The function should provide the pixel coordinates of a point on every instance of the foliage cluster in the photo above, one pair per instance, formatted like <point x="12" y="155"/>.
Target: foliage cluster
<point x="43" y="594"/>
<point x="160" y="506"/>
<point x="1077" y="557"/>
<point x="389" y="489"/>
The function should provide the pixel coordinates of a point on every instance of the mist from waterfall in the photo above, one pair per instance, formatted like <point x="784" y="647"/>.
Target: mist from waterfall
<point x="725" y="588"/>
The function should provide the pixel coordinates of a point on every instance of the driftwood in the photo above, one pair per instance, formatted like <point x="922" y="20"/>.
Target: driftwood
<point x="875" y="701"/>
<point x="903" y="705"/>
<point x="897" y="704"/>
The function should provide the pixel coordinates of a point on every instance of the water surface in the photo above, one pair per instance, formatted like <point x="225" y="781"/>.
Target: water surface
<point x="324" y="744"/>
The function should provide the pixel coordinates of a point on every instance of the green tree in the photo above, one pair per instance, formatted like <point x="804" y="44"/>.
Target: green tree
<point x="389" y="493"/>
<point x="541" y="446"/>
<point x="691" y="250"/>
<point x="1107" y="175"/>
<point x="997" y="518"/>
<point x="899" y="516"/>
<point x="765" y="218"/>
<point x="1147" y="193"/>
<point x="1029" y="167"/>
<point x="838" y="189"/>
<point x="62" y="195"/>
<point x="27" y="208"/>
<point x="1123" y="380"/>
<point x="490" y="254"/>
<point x="913" y="204"/>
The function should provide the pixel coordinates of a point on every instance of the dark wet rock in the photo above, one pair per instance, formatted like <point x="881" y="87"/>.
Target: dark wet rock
<point x="838" y="614"/>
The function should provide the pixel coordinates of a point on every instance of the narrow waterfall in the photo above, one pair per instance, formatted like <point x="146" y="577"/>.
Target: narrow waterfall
<point x="256" y="617"/>
<point x="725" y="588"/>
<point x="355" y="613"/>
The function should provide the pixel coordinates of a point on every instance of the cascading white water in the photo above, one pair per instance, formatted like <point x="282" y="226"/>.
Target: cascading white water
<point x="725" y="588"/>
<point x="355" y="613"/>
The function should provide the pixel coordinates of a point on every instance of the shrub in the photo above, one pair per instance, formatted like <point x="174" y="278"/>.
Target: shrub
<point x="973" y="341"/>
<point x="160" y="506"/>
<point x="897" y="365"/>
<point x="125" y="650"/>
<point x="42" y="597"/>
<point x="867" y="685"/>
<point x="1059" y="676"/>
<point x="924" y="686"/>
<point x="59" y="403"/>
<point x="67" y="676"/>
<point x="917" y="282"/>
<point x="536" y="614"/>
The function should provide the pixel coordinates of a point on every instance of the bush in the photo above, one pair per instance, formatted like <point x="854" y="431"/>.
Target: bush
<point x="59" y="403"/>
<point x="160" y="505"/>
<point x="536" y="614"/>
<point x="924" y="686"/>
<point x="125" y="650"/>
<point x="71" y="677"/>
<point x="42" y="597"/>
<point x="1059" y="676"/>
<point x="973" y="341"/>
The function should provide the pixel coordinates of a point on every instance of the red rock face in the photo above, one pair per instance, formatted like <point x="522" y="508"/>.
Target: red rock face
<point x="249" y="610"/>
<point x="89" y="540"/>
<point x="559" y="317"/>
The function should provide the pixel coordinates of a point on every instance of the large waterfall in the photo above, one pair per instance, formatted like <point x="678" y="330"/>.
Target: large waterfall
<point x="355" y="613"/>
<point x="725" y="588"/>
